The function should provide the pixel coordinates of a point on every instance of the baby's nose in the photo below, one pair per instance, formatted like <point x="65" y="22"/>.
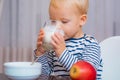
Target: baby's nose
<point x="58" y="25"/>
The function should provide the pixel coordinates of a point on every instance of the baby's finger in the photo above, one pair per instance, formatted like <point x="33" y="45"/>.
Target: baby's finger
<point x="54" y="44"/>
<point x="41" y="31"/>
<point x="40" y="38"/>
<point x="39" y="44"/>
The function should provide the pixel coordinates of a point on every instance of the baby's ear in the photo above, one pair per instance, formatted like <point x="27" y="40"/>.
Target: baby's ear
<point x="83" y="19"/>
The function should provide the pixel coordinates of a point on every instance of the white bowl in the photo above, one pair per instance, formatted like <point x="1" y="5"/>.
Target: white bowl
<point x="22" y="70"/>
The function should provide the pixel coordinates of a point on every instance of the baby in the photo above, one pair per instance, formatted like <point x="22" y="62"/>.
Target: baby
<point x="75" y="45"/>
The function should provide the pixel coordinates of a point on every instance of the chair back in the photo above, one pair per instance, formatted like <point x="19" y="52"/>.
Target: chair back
<point x="110" y="51"/>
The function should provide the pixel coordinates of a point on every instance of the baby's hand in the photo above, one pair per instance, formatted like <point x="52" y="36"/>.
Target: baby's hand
<point x="40" y="49"/>
<point x="58" y="43"/>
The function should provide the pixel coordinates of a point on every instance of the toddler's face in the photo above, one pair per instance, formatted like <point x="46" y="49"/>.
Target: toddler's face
<point x="69" y="19"/>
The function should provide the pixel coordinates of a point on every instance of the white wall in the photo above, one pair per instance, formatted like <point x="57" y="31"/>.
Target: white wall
<point x="100" y="19"/>
<point x="117" y="17"/>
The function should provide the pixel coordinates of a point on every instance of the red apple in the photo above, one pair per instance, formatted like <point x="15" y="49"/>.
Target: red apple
<point x="82" y="70"/>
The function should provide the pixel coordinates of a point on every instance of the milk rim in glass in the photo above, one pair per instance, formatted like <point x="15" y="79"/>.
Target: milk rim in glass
<point x="50" y="27"/>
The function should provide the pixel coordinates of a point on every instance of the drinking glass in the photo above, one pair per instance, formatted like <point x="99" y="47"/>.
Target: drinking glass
<point x="50" y="27"/>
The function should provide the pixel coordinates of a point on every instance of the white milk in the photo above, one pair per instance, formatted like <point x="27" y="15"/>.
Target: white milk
<point x="49" y="31"/>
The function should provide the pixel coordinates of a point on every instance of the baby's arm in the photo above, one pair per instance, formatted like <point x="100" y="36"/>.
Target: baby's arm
<point x="45" y="66"/>
<point x="46" y="61"/>
<point x="42" y="55"/>
<point x="40" y="50"/>
<point x="91" y="55"/>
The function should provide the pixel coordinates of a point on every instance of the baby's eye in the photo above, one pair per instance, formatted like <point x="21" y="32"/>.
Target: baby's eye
<point x="64" y="22"/>
<point x="53" y="21"/>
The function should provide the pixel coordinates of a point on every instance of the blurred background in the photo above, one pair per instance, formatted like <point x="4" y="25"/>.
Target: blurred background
<point x="20" y="21"/>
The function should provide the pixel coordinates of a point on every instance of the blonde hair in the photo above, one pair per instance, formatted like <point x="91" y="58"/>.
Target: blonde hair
<point x="81" y="5"/>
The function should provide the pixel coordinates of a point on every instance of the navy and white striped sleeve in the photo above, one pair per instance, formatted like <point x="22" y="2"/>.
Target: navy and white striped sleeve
<point x="67" y="59"/>
<point x="45" y="66"/>
<point x="92" y="54"/>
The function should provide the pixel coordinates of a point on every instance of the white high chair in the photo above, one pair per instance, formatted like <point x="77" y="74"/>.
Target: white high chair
<point x="110" y="51"/>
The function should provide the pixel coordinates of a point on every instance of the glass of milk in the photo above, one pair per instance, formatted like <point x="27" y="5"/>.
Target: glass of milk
<point x="50" y="27"/>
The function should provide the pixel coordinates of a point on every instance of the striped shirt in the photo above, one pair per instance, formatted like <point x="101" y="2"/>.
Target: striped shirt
<point x="84" y="48"/>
